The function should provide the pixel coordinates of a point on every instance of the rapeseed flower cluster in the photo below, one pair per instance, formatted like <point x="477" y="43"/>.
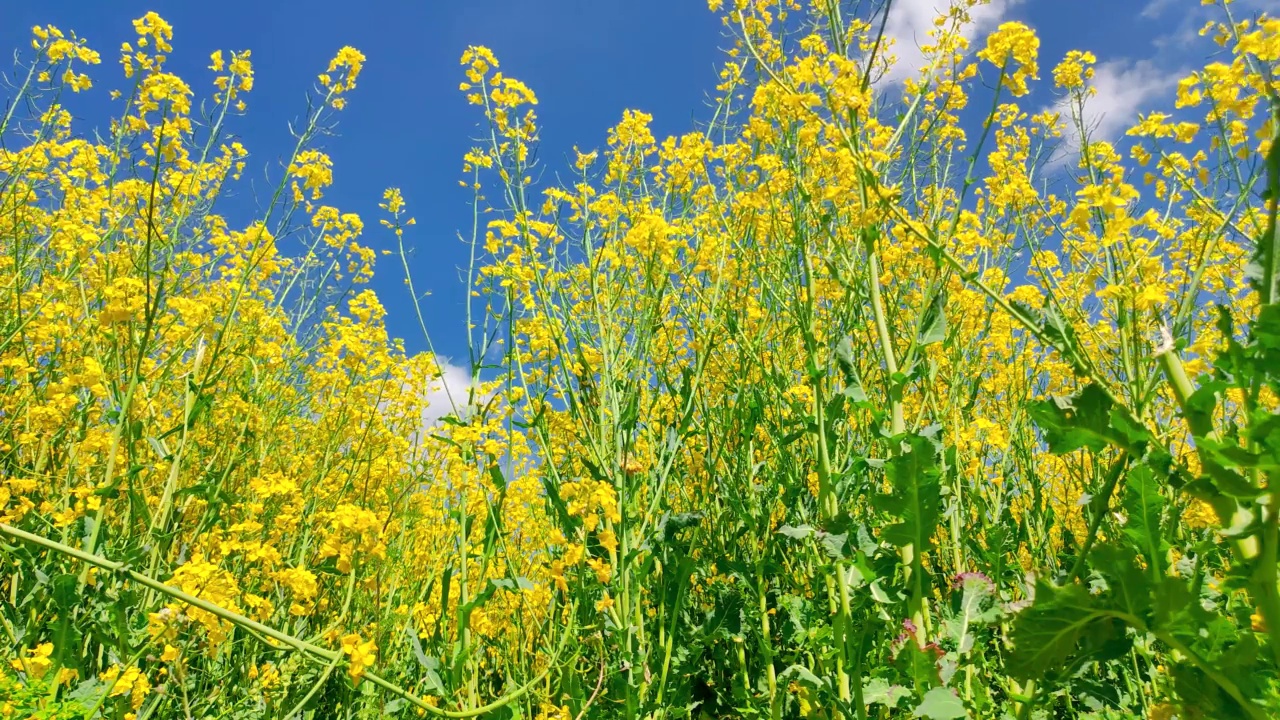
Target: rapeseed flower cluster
<point x="756" y="417"/>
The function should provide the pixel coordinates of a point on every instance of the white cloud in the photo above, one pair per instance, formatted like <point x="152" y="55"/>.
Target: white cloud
<point x="911" y="20"/>
<point x="1123" y="89"/>
<point x="447" y="393"/>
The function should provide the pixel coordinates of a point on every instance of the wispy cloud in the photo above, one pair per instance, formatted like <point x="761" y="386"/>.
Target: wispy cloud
<point x="910" y="21"/>
<point x="1155" y="8"/>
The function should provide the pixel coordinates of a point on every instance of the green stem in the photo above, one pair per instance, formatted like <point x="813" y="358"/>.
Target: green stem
<point x="299" y="645"/>
<point x="1108" y="488"/>
<point x="897" y="425"/>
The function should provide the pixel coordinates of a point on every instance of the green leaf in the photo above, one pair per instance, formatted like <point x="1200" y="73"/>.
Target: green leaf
<point x="1128" y="587"/>
<point x="834" y="544"/>
<point x="87" y="691"/>
<point x="916" y="498"/>
<point x="879" y="692"/>
<point x="976" y="590"/>
<point x="878" y="594"/>
<point x="1046" y="634"/>
<point x="513" y="584"/>
<point x="933" y="325"/>
<point x="671" y="524"/>
<point x="1200" y="694"/>
<point x="66" y="591"/>
<point x="329" y="566"/>
<point x="802" y="674"/>
<point x="940" y="704"/>
<point x="796" y="533"/>
<point x="1082" y="420"/>
<point x="855" y="394"/>
<point x="479" y="598"/>
<point x="1144" y="506"/>
<point x="1055" y="328"/>
<point x="499" y="480"/>
<point x="429" y="663"/>
<point x="844" y="358"/>
<point x="920" y="664"/>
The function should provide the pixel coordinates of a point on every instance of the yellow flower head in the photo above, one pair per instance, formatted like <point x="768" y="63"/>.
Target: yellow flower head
<point x="361" y="654"/>
<point x="1075" y="70"/>
<point x="1013" y="48"/>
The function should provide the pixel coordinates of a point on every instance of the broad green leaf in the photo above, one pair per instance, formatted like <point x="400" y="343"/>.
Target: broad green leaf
<point x="878" y="691"/>
<point x="940" y="704"/>
<point x="920" y="664"/>
<point x="1057" y="330"/>
<point x="1200" y="694"/>
<point x="65" y="590"/>
<point x="671" y="524"/>
<point x="1046" y="634"/>
<point x="835" y="545"/>
<point x="916" y="497"/>
<point x="1144" y="505"/>
<point x="976" y="589"/>
<point x="87" y="691"/>
<point x="1127" y="586"/>
<point x="1079" y="421"/>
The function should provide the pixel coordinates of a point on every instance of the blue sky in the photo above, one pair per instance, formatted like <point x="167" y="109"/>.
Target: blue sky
<point x="408" y="126"/>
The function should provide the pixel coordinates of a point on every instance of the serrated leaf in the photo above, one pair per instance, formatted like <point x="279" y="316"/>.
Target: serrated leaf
<point x="1128" y="587"/>
<point x="975" y="591"/>
<point x="671" y="524"/>
<point x="920" y="664"/>
<point x="65" y="590"/>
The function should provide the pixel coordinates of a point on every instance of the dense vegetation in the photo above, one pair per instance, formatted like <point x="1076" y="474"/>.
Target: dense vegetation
<point x="838" y="407"/>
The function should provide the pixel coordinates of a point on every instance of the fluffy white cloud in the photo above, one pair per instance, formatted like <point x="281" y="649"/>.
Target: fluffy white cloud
<point x="447" y="393"/>
<point x="1123" y="89"/>
<point x="911" y="20"/>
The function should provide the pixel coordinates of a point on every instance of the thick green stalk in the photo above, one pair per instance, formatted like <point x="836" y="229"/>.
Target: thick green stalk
<point x="1200" y="426"/>
<point x="897" y="425"/>
<point x="766" y="644"/>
